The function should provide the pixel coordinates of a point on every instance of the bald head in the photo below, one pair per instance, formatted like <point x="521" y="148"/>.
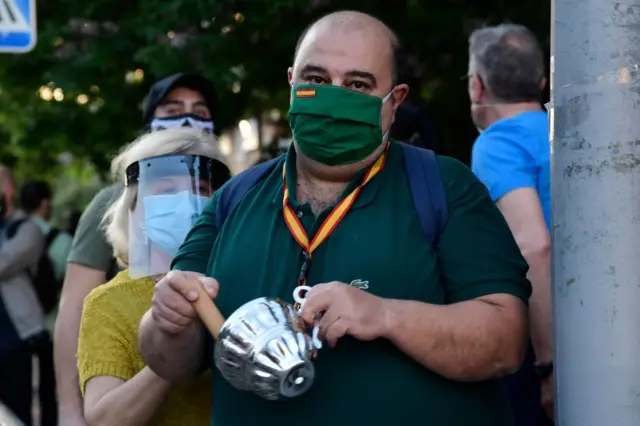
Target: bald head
<point x="382" y="40"/>
<point x="356" y="52"/>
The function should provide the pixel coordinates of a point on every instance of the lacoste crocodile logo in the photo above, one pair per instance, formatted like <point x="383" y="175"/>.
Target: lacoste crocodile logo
<point x="362" y="285"/>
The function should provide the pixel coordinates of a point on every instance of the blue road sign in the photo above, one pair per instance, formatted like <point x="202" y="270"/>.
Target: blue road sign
<point x="17" y="26"/>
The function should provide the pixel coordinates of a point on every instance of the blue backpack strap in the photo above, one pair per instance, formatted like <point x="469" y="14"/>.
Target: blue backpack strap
<point x="233" y="192"/>
<point x="427" y="190"/>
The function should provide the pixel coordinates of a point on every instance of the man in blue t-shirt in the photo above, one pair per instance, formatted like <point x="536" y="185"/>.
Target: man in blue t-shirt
<point x="511" y="157"/>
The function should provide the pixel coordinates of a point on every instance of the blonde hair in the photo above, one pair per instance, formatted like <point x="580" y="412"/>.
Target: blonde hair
<point x="162" y="142"/>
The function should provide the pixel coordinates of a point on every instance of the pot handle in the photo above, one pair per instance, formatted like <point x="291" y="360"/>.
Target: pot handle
<point x="207" y="310"/>
<point x="299" y="299"/>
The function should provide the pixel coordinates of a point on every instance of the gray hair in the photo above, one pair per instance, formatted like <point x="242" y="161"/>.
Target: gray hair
<point x="510" y="62"/>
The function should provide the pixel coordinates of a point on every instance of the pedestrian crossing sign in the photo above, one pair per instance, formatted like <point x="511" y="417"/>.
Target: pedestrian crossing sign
<point x="17" y="26"/>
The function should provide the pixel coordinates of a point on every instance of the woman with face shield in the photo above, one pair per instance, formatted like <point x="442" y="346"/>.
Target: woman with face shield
<point x="169" y="176"/>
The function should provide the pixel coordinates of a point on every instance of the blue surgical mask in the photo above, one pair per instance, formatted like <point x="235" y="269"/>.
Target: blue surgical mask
<point x="169" y="218"/>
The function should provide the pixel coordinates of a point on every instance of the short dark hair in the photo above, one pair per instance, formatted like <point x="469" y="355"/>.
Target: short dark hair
<point x="397" y="51"/>
<point x="510" y="62"/>
<point x="32" y="194"/>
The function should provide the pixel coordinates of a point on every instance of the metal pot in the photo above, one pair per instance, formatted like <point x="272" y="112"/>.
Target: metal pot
<point x="263" y="348"/>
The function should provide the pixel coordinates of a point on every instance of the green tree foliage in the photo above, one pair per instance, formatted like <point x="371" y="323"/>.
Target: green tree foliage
<point x="91" y="49"/>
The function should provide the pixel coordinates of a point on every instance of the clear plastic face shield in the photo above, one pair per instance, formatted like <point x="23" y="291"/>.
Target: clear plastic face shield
<point x="172" y="191"/>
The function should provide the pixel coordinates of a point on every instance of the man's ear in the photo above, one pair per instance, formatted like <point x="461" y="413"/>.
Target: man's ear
<point x="543" y="83"/>
<point x="476" y="89"/>
<point x="400" y="93"/>
<point x="290" y="75"/>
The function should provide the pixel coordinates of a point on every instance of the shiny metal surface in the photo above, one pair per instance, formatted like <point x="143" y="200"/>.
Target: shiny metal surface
<point x="262" y="348"/>
<point x="7" y="418"/>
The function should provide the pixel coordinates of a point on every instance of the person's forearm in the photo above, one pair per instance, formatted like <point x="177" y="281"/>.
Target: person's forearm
<point x="173" y="358"/>
<point x="65" y="349"/>
<point x="133" y="403"/>
<point x="540" y="305"/>
<point x="467" y="341"/>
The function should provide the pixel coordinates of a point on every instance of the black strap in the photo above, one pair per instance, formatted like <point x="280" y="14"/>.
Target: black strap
<point x="232" y="193"/>
<point x="12" y="229"/>
<point x="51" y="236"/>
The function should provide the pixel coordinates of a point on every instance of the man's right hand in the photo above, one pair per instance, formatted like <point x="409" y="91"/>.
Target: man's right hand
<point x="172" y="307"/>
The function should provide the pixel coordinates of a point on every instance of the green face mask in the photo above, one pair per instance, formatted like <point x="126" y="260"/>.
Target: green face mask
<point x="335" y="126"/>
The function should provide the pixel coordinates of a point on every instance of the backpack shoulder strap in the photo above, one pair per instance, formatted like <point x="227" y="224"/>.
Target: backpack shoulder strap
<point x="233" y="192"/>
<point x="12" y="229"/>
<point x="427" y="190"/>
<point x="51" y="236"/>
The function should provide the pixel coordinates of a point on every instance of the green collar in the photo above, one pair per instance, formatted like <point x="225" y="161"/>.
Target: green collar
<point x="366" y="196"/>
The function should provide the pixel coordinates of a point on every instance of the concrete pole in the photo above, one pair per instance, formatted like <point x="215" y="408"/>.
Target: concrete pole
<point x="595" y="133"/>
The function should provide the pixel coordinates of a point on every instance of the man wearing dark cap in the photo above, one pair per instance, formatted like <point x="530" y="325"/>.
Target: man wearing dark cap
<point x="180" y="100"/>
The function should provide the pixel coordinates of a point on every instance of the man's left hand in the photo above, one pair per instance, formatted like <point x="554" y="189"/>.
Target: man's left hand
<point x="346" y="310"/>
<point x="546" y="396"/>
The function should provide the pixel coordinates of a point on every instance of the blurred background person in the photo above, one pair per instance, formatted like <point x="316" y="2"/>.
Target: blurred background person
<point x="36" y="201"/>
<point x="180" y="100"/>
<point x="72" y="222"/>
<point x="168" y="176"/>
<point x="21" y="316"/>
<point x="414" y="125"/>
<point x="511" y="157"/>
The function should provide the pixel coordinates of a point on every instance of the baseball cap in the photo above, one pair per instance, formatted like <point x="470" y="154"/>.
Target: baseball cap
<point x="161" y="89"/>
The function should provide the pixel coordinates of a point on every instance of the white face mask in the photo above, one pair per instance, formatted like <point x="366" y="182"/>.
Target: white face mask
<point x="385" y="136"/>
<point x="181" y="121"/>
<point x="169" y="218"/>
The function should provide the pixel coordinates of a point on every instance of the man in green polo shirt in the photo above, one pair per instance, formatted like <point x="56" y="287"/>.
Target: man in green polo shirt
<point x="414" y="332"/>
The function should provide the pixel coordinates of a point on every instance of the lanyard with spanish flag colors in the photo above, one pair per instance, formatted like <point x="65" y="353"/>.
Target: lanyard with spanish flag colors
<point x="331" y="221"/>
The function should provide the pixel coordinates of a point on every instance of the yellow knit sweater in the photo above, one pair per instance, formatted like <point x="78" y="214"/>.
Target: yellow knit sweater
<point x="108" y="346"/>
